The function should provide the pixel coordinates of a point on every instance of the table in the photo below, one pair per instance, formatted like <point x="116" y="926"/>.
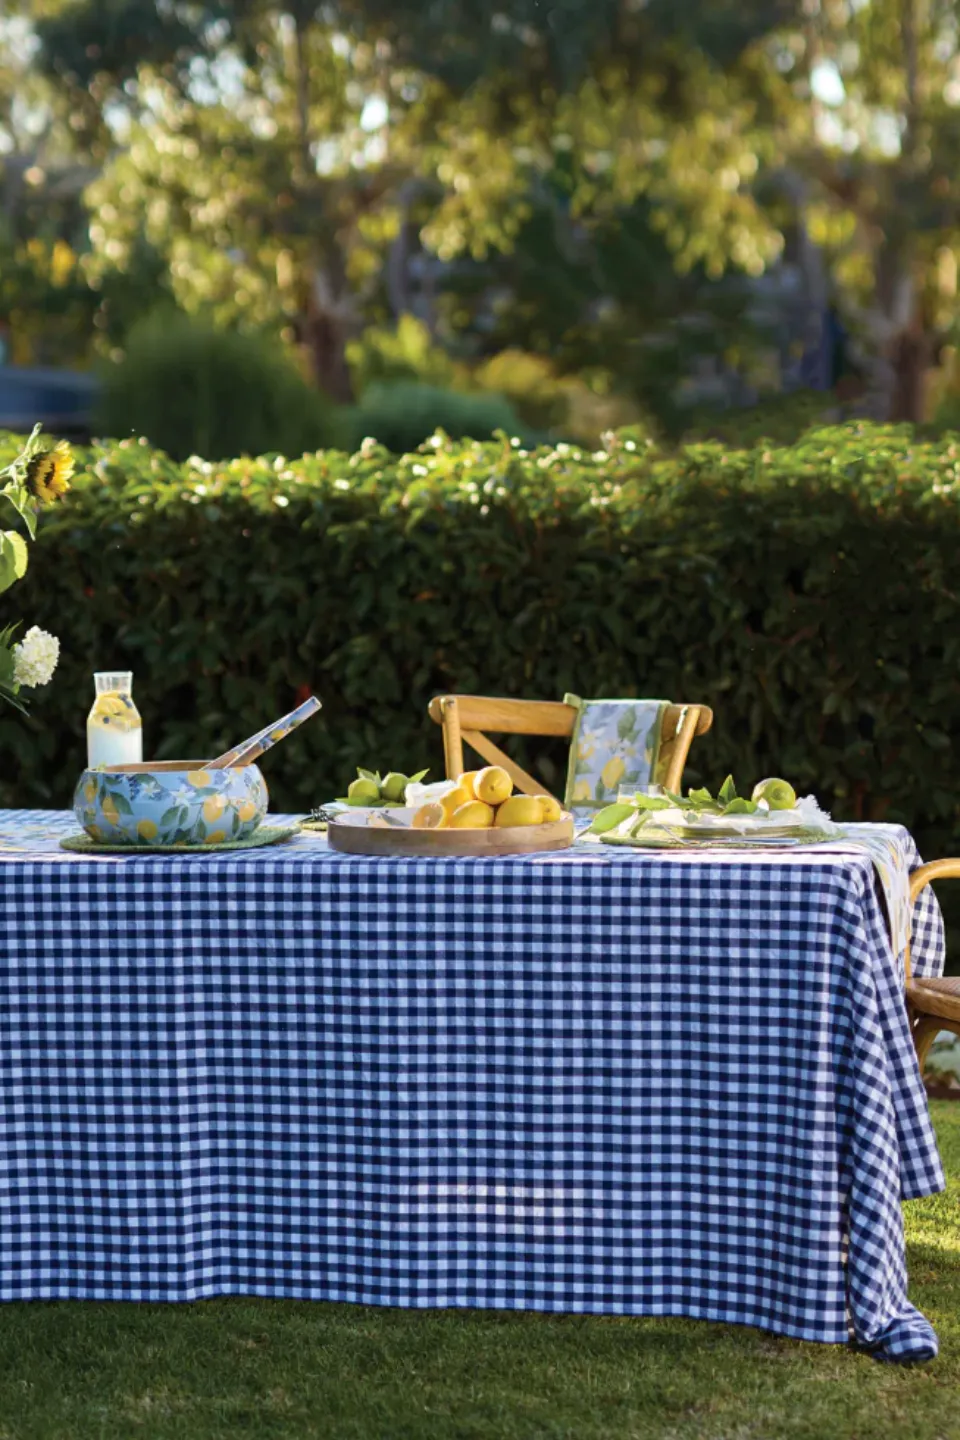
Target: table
<point x="594" y="1082"/>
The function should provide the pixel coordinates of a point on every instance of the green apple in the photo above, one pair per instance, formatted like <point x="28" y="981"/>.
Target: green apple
<point x="779" y="794"/>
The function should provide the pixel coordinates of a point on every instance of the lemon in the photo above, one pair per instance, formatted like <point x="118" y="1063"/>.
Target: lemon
<point x="492" y="785"/>
<point x="474" y="815"/>
<point x="613" y="772"/>
<point x="550" y="808"/>
<point x="216" y="837"/>
<point x="452" y="801"/>
<point x="108" y="704"/>
<point x="246" y="811"/>
<point x="214" y="808"/>
<point x="467" y="781"/>
<point x="110" y="812"/>
<point x="779" y="794"/>
<point x="520" y="810"/>
<point x="147" y="829"/>
<point x="363" y="792"/>
<point x="199" y="778"/>
<point x="429" y="817"/>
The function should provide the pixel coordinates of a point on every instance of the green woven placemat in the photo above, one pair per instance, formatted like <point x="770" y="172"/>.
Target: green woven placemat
<point x="264" y="835"/>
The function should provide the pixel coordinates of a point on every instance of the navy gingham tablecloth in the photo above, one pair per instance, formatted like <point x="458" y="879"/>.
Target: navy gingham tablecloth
<point x="604" y="1082"/>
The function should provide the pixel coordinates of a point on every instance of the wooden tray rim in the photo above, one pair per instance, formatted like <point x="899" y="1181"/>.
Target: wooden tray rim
<point x="351" y="839"/>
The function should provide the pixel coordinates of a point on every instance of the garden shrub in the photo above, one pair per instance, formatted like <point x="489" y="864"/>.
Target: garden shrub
<point x="192" y="389"/>
<point x="779" y="418"/>
<point x="405" y="352"/>
<point x="530" y="384"/>
<point x="403" y="415"/>
<point x="809" y="593"/>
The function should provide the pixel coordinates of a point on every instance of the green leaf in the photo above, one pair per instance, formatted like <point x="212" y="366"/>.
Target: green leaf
<point x="701" y="800"/>
<point x="610" y="817"/>
<point x="727" y="791"/>
<point x="415" y="779"/>
<point x="739" y="806"/>
<point x="652" y="802"/>
<point x="13" y="558"/>
<point x="373" y="775"/>
<point x="8" y="691"/>
<point x="19" y="498"/>
<point x="627" y="725"/>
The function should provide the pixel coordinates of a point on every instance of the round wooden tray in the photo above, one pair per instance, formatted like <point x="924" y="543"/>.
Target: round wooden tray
<point x="356" y="839"/>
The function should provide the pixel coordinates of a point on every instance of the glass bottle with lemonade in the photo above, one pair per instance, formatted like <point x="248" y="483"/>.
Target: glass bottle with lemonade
<point x="114" y="728"/>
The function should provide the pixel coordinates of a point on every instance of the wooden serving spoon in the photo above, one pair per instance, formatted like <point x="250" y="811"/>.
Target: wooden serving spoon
<point x="252" y="748"/>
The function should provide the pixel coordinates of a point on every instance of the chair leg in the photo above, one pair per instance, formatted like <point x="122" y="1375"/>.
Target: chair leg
<point x="452" y="743"/>
<point x="926" y="1028"/>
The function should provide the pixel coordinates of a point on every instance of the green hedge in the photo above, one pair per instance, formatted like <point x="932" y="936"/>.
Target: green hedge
<point x="810" y="594"/>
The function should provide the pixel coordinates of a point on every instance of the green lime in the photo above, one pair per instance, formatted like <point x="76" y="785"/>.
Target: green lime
<point x="779" y="794"/>
<point x="393" y="787"/>
<point x="363" y="792"/>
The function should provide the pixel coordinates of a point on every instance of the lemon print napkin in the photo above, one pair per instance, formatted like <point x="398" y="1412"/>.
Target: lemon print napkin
<point x="615" y="743"/>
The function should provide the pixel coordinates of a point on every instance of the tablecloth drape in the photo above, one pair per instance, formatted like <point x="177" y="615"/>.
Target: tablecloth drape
<point x="588" y="1082"/>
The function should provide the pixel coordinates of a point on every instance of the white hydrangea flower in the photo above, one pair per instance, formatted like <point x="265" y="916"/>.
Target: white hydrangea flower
<point x="35" y="658"/>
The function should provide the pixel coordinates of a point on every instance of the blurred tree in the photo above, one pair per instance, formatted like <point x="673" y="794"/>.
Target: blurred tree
<point x="603" y="298"/>
<point x="241" y="159"/>
<point x="864" y="116"/>
<point x="46" y="306"/>
<point x="272" y="148"/>
<point x="291" y="158"/>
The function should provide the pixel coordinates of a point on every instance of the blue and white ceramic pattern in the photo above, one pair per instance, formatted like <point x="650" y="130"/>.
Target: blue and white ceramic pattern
<point x="174" y="802"/>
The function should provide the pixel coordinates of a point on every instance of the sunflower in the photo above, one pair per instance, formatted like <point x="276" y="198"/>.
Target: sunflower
<point x="48" y="473"/>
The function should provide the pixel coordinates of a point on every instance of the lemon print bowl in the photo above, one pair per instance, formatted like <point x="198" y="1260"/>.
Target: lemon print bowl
<point x="170" y="802"/>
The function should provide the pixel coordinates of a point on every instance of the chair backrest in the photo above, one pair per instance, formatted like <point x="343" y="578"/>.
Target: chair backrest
<point x="466" y="718"/>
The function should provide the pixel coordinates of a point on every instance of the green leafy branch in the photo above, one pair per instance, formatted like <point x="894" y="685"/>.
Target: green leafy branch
<point x="699" y="802"/>
<point x="13" y="547"/>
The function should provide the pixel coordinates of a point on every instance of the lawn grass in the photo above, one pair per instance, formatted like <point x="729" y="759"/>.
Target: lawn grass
<point x="227" y="1368"/>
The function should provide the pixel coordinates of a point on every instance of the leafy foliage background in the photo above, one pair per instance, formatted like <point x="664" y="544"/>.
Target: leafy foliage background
<point x="810" y="593"/>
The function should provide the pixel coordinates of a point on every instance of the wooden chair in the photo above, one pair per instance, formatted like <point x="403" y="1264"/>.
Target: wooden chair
<point x="464" y="719"/>
<point x="933" y="1005"/>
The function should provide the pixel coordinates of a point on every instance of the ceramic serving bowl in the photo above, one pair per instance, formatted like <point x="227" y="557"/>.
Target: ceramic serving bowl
<point x="170" y="802"/>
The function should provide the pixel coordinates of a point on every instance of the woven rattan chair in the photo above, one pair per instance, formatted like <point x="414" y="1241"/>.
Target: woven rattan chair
<point x="466" y="718"/>
<point x="933" y="1005"/>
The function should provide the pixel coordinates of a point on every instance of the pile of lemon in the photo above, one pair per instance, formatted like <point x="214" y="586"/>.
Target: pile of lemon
<point x="482" y="799"/>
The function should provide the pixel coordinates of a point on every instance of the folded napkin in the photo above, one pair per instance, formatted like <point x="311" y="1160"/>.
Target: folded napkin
<point x="614" y="743"/>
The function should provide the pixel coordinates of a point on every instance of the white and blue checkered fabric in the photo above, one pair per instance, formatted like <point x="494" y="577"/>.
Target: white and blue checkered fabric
<point x="609" y="1083"/>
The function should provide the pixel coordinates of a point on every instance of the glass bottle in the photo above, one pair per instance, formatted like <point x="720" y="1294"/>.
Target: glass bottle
<point x="114" y="728"/>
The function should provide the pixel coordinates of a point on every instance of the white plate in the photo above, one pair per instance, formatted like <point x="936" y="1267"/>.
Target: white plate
<point x="357" y="815"/>
<point x="772" y="822"/>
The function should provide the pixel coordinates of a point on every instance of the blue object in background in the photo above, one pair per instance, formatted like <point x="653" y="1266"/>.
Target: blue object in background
<point x="61" y="400"/>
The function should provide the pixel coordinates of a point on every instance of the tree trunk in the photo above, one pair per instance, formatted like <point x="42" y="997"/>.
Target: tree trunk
<point x="911" y="356"/>
<point x="328" y="353"/>
<point x="326" y="314"/>
<point x="328" y="323"/>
